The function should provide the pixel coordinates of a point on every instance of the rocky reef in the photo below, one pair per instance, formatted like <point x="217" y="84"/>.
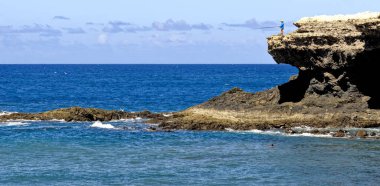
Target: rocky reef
<point x="83" y="114"/>
<point x="338" y="58"/>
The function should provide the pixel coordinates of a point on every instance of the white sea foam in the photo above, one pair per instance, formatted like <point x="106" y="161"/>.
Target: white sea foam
<point x="13" y="123"/>
<point x="99" y="124"/>
<point x="304" y="128"/>
<point x="58" y="120"/>
<point x="275" y="132"/>
<point x="255" y="131"/>
<point x="5" y="113"/>
<point x="265" y="132"/>
<point x="230" y="130"/>
<point x="167" y="115"/>
<point x="311" y="135"/>
<point x="341" y="17"/>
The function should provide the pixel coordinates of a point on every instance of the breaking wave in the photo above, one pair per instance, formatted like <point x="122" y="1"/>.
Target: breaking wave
<point x="99" y="124"/>
<point x="13" y="123"/>
<point x="5" y="113"/>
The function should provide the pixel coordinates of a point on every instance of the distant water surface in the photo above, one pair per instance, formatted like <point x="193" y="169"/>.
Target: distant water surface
<point x="35" y="88"/>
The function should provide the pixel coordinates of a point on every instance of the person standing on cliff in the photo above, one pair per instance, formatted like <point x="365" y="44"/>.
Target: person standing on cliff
<point x="282" y="27"/>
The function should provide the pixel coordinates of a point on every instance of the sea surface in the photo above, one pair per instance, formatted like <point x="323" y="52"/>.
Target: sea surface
<point x="125" y="153"/>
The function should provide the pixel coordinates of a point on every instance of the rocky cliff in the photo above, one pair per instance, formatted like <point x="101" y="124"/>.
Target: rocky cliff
<point x="338" y="58"/>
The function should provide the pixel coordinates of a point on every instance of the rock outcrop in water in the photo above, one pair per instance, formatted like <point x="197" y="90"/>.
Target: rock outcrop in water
<point x="82" y="114"/>
<point x="338" y="58"/>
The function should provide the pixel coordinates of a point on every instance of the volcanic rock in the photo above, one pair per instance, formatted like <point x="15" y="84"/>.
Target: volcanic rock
<point x="339" y="134"/>
<point x="338" y="61"/>
<point x="81" y="114"/>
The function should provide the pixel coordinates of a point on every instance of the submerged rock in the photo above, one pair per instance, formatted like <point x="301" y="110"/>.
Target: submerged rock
<point x="337" y="58"/>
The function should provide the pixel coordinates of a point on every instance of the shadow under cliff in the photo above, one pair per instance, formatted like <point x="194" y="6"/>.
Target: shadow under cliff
<point x="365" y="75"/>
<point x="294" y="90"/>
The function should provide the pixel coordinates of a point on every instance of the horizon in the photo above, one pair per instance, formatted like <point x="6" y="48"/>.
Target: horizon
<point x="143" y="32"/>
<point x="142" y="64"/>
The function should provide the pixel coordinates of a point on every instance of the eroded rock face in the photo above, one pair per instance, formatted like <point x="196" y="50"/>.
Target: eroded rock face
<point x="337" y="56"/>
<point x="338" y="59"/>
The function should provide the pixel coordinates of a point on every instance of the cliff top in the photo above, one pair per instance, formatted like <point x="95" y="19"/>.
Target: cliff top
<point x="329" y="42"/>
<point x="340" y="17"/>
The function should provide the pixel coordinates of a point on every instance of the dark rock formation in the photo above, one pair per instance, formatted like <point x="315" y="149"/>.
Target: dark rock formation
<point x="336" y="87"/>
<point x="82" y="114"/>
<point x="339" y="134"/>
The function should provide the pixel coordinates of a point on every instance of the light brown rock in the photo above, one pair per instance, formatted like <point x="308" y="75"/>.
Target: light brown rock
<point x="361" y="134"/>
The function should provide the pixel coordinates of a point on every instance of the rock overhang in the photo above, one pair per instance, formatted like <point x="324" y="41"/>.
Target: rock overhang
<point x="337" y="55"/>
<point x="328" y="42"/>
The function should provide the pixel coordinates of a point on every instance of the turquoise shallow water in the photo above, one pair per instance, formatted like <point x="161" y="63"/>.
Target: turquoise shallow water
<point x="75" y="153"/>
<point x="59" y="153"/>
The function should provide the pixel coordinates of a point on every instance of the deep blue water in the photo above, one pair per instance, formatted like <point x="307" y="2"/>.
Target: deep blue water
<point x="59" y="153"/>
<point x="35" y="88"/>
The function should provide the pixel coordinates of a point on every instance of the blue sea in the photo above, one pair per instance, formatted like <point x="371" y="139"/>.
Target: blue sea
<point x="124" y="153"/>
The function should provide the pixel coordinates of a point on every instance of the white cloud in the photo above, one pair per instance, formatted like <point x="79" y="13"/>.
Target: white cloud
<point x="103" y="38"/>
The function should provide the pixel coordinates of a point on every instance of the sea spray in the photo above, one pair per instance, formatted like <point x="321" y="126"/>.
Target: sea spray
<point x="13" y="123"/>
<point x="99" y="124"/>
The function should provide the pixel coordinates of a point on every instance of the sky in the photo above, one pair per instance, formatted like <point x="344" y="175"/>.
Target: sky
<point x="152" y="31"/>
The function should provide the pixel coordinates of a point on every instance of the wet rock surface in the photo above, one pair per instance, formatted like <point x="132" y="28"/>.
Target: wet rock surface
<point x="338" y="60"/>
<point x="339" y="134"/>
<point x="361" y="134"/>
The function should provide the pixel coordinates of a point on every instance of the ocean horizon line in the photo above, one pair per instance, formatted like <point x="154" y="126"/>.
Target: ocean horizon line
<point x="141" y="64"/>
